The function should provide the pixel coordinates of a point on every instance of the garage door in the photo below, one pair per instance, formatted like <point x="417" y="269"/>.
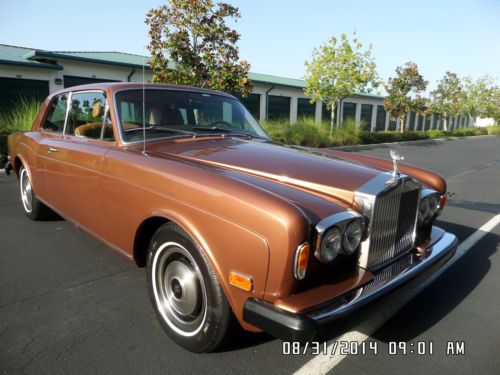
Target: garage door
<point x="70" y="81"/>
<point x="11" y="89"/>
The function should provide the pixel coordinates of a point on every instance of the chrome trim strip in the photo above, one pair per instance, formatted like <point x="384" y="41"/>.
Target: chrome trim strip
<point x="445" y="247"/>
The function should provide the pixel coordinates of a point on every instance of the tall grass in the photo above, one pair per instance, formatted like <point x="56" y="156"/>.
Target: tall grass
<point x="20" y="117"/>
<point x="307" y="133"/>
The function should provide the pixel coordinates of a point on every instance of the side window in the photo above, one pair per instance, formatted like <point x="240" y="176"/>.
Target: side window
<point x="87" y="116"/>
<point x="57" y="114"/>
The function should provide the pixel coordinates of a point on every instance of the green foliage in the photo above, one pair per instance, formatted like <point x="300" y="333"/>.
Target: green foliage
<point x="19" y="118"/>
<point x="191" y="44"/>
<point x="338" y="69"/>
<point x="493" y="130"/>
<point x="306" y="133"/>
<point x="404" y="92"/>
<point x="447" y="99"/>
<point x="478" y="95"/>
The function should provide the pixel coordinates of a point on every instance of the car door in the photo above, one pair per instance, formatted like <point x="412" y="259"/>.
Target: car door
<point x="73" y="176"/>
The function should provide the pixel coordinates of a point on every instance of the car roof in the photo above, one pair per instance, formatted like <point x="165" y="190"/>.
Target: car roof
<point x="117" y="86"/>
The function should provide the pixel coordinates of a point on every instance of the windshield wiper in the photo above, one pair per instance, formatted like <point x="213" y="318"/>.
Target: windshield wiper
<point x="159" y="128"/>
<point x="225" y="130"/>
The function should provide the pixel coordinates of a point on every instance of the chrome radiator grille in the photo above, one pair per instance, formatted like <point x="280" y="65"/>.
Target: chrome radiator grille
<point x="392" y="225"/>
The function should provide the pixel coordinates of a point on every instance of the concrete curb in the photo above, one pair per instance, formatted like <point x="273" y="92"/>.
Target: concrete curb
<point x="435" y="141"/>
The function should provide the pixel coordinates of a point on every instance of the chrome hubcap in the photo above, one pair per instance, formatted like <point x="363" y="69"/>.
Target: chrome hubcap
<point x="179" y="289"/>
<point x="26" y="192"/>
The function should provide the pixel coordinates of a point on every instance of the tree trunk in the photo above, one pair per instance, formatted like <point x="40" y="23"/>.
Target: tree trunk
<point x="332" y="117"/>
<point x="402" y="124"/>
<point x="445" y="123"/>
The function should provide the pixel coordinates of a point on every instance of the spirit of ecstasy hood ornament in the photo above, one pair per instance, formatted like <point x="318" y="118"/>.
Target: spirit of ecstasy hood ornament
<point x="396" y="157"/>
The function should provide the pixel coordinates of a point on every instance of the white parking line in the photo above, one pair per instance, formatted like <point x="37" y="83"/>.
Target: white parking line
<point x="323" y="363"/>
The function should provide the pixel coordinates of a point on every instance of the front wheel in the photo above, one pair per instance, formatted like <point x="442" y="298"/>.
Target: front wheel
<point x="185" y="292"/>
<point x="33" y="208"/>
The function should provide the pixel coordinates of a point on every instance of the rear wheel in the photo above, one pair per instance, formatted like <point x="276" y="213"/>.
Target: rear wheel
<point x="33" y="208"/>
<point x="186" y="295"/>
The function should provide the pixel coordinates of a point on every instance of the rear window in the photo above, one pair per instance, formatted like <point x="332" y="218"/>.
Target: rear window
<point x="54" y="121"/>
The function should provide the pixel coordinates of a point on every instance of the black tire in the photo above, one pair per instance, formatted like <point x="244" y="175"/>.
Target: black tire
<point x="32" y="206"/>
<point x="185" y="293"/>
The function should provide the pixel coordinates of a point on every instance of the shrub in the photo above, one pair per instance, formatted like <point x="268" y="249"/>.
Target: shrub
<point x="493" y="130"/>
<point x="18" y="118"/>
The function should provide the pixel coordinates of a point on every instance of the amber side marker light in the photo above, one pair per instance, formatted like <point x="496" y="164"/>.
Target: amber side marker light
<point x="300" y="261"/>
<point x="442" y="202"/>
<point x="241" y="281"/>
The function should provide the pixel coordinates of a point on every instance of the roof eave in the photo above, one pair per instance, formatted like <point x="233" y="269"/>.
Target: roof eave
<point x="86" y="59"/>
<point x="32" y="65"/>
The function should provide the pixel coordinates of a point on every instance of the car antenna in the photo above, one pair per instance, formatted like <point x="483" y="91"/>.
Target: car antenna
<point x="143" y="108"/>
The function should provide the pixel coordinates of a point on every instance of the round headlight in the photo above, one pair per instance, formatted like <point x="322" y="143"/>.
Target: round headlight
<point x="330" y="245"/>
<point x="423" y="210"/>
<point x="352" y="236"/>
<point x="433" y="205"/>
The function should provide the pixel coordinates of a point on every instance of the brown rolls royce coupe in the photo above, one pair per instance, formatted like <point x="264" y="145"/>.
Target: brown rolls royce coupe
<point x="229" y="225"/>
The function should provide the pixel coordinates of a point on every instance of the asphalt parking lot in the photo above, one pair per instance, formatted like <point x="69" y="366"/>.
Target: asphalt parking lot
<point x="69" y="304"/>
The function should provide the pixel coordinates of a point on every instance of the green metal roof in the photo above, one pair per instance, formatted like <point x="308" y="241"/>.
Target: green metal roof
<point x="46" y="59"/>
<point x="275" y="80"/>
<point x="12" y="55"/>
<point x="108" y="58"/>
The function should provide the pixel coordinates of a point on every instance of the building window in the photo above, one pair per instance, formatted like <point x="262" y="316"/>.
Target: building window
<point x="278" y="107"/>
<point x="380" y="123"/>
<point x="326" y="113"/>
<point x="427" y="122"/>
<point x="392" y="124"/>
<point x="411" y="124"/>
<point x="305" y="108"/>
<point x="349" y="111"/>
<point x="434" y="121"/>
<point x="366" y="117"/>
<point x="420" y="125"/>
<point x="252" y="102"/>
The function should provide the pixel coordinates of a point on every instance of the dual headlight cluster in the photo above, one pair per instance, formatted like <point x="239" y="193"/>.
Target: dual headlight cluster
<point x="344" y="237"/>
<point x="429" y="206"/>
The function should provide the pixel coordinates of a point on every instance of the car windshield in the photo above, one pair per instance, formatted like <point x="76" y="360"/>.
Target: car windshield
<point x="170" y="113"/>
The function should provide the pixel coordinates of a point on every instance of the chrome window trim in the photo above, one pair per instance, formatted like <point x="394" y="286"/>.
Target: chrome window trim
<point x="366" y="197"/>
<point x="70" y="98"/>
<point x="182" y="89"/>
<point x="41" y="128"/>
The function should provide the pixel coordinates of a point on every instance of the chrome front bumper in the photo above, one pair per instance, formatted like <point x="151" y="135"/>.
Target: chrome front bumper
<point x="308" y="325"/>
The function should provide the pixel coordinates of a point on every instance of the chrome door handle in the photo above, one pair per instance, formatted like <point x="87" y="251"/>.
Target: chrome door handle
<point x="50" y="150"/>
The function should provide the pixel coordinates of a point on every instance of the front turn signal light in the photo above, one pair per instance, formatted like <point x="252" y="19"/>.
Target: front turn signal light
<point x="442" y="202"/>
<point x="300" y="261"/>
<point x="241" y="281"/>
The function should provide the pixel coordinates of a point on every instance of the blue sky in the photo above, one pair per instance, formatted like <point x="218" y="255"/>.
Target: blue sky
<point x="277" y="36"/>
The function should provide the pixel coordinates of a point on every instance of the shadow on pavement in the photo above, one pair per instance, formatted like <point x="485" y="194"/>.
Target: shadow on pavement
<point x="432" y="304"/>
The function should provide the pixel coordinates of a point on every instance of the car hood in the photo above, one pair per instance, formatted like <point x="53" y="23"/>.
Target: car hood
<point x="300" y="169"/>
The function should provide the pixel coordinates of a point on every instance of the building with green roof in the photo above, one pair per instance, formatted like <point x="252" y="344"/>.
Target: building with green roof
<point x="35" y="73"/>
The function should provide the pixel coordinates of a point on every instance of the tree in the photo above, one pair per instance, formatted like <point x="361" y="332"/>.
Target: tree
<point x="404" y="93"/>
<point x="447" y="99"/>
<point x="191" y="44"/>
<point x="337" y="70"/>
<point x="492" y="105"/>
<point x="478" y="95"/>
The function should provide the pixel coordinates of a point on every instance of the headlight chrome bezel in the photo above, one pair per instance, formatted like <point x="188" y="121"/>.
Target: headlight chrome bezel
<point x="341" y="221"/>
<point x="432" y="199"/>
